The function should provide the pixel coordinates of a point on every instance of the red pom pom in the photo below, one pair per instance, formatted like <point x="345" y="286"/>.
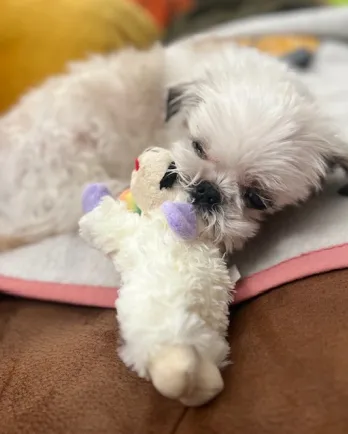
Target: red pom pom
<point x="136" y="164"/>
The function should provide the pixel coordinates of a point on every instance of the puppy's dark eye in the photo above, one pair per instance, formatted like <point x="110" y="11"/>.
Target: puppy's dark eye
<point x="253" y="199"/>
<point x="198" y="148"/>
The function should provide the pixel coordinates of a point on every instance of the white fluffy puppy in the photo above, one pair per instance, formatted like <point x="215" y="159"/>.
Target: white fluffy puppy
<point x="256" y="141"/>
<point x="172" y="307"/>
<point x="252" y="139"/>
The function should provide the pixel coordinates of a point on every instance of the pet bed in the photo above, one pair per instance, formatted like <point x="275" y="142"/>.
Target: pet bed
<point x="296" y="243"/>
<point x="59" y="373"/>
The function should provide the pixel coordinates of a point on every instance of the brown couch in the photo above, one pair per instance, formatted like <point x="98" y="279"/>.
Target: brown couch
<point x="59" y="373"/>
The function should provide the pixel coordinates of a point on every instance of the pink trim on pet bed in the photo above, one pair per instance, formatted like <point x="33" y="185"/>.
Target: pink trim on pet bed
<point x="308" y="264"/>
<point x="316" y="262"/>
<point x="85" y="295"/>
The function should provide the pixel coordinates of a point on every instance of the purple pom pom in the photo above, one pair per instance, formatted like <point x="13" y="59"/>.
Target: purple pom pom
<point x="92" y="196"/>
<point x="181" y="218"/>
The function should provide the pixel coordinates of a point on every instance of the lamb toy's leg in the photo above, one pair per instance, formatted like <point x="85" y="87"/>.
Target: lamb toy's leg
<point x="179" y="372"/>
<point x="92" y="196"/>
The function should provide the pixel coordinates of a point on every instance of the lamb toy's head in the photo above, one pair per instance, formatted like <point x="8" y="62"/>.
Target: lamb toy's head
<point x="153" y="185"/>
<point x="154" y="180"/>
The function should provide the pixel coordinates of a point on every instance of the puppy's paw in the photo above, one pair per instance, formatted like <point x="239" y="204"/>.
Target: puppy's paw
<point x="179" y="372"/>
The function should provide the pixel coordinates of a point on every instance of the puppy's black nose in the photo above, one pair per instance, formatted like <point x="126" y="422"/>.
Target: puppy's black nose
<point x="206" y="194"/>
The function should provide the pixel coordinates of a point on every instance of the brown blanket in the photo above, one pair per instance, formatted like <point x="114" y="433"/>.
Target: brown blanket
<point x="59" y="373"/>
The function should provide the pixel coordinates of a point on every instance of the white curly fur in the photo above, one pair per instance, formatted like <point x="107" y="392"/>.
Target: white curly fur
<point x="172" y="307"/>
<point x="87" y="125"/>
<point x="84" y="126"/>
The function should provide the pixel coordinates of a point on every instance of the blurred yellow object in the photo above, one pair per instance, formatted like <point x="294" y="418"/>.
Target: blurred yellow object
<point x="38" y="37"/>
<point x="281" y="45"/>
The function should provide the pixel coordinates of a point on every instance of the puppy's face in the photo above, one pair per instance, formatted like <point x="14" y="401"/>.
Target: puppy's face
<point x="255" y="142"/>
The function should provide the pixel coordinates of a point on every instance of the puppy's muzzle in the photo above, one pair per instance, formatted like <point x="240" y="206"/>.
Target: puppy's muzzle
<point x="206" y="195"/>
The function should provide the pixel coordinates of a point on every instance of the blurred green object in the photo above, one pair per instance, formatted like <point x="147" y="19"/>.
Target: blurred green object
<point x="338" y="2"/>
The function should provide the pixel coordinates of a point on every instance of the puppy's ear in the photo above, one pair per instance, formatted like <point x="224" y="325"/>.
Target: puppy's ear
<point x="179" y="97"/>
<point x="174" y="101"/>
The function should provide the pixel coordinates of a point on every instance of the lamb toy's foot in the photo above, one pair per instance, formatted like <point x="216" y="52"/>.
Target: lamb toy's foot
<point x="179" y="372"/>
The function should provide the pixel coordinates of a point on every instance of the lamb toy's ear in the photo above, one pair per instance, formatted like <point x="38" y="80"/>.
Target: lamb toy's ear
<point x="181" y="218"/>
<point x="92" y="195"/>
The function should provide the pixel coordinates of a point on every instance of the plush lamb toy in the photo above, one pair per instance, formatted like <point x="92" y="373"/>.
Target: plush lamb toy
<point x="173" y="305"/>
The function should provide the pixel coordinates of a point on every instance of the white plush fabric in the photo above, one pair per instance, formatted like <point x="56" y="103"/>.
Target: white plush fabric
<point x="178" y="307"/>
<point x="319" y="224"/>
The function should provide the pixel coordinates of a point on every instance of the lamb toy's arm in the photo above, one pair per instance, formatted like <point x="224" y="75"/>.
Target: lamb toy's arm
<point x="108" y="224"/>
